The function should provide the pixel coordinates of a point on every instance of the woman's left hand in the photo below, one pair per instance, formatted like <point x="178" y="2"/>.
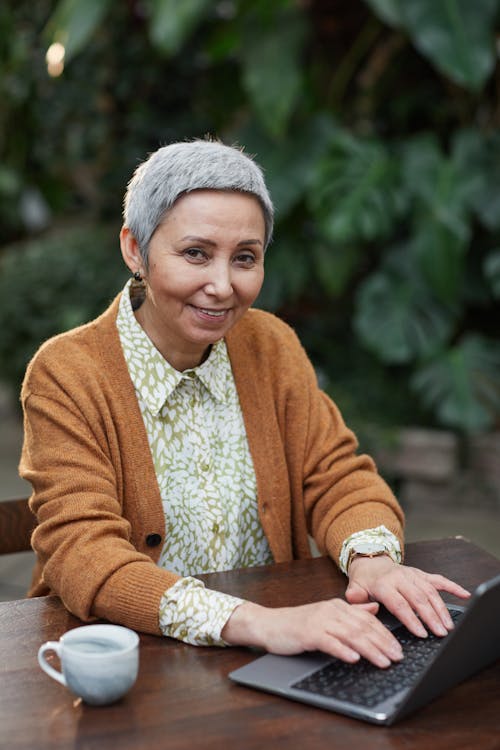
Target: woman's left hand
<point x="406" y="592"/>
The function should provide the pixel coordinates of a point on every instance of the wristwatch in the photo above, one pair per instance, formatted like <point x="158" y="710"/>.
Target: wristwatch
<point x="367" y="549"/>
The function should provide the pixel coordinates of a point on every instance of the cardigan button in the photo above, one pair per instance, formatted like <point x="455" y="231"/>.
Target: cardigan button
<point x="153" y="540"/>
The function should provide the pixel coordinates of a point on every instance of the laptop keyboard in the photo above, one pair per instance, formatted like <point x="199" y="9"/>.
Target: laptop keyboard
<point x="366" y="685"/>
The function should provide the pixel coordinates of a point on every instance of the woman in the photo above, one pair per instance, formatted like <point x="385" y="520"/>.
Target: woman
<point x="182" y="432"/>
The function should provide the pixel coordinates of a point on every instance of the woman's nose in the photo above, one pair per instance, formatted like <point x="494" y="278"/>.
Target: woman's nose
<point x="219" y="283"/>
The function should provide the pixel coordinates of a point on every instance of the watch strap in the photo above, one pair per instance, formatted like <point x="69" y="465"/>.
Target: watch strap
<point x="379" y="535"/>
<point x="354" y="553"/>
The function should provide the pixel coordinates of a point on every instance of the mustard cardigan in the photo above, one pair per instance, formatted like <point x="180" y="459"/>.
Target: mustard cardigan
<point x="86" y="453"/>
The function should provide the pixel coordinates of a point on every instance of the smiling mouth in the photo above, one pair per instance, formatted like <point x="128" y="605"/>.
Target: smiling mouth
<point x="212" y="313"/>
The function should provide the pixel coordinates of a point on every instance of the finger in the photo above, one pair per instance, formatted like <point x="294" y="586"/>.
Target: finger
<point x="356" y="594"/>
<point x="398" y="605"/>
<point x="334" y="646"/>
<point x="375" y="649"/>
<point x="412" y="596"/>
<point x="431" y="608"/>
<point x="421" y="592"/>
<point x="444" y="584"/>
<point x="350" y="647"/>
<point x="372" y="607"/>
<point x="358" y="629"/>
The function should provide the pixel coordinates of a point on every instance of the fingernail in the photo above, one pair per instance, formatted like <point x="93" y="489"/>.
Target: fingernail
<point x="383" y="661"/>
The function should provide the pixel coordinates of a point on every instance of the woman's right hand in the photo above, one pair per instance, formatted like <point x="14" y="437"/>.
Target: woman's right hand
<point x="347" y="631"/>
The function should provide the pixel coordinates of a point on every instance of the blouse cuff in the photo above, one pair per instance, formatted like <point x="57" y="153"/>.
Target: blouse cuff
<point x="380" y="535"/>
<point x="194" y="614"/>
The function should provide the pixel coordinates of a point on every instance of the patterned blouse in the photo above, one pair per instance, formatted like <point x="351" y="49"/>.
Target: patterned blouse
<point x="206" y="478"/>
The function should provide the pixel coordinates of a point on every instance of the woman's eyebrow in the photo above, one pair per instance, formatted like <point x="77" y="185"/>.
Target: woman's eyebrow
<point x="250" y="242"/>
<point x="193" y="238"/>
<point x="205" y="241"/>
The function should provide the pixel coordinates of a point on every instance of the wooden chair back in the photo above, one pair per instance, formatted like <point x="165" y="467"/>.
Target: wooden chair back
<point x="16" y="524"/>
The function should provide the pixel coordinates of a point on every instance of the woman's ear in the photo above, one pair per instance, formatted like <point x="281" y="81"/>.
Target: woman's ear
<point x="130" y="251"/>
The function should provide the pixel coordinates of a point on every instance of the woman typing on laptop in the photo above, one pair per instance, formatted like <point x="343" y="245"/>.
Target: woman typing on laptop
<point x="182" y="433"/>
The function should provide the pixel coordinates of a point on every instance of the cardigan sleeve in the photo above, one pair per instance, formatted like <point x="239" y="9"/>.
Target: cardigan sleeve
<point x="83" y="540"/>
<point x="311" y="480"/>
<point x="343" y="492"/>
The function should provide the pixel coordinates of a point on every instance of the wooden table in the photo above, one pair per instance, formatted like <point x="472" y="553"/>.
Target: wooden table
<point x="183" y="699"/>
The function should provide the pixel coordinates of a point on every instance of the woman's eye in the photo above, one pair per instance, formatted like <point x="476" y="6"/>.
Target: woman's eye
<point x="194" y="253"/>
<point x="245" y="259"/>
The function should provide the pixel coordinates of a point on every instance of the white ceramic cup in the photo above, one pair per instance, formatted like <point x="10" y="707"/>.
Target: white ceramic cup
<point x="99" y="662"/>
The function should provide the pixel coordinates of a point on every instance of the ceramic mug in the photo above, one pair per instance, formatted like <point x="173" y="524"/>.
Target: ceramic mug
<point x="99" y="662"/>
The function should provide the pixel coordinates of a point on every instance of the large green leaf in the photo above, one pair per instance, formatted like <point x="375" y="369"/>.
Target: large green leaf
<point x="397" y="317"/>
<point x="442" y="218"/>
<point x="441" y="256"/>
<point x="288" y="271"/>
<point x="335" y="265"/>
<point x="272" y="66"/>
<point x="172" y="22"/>
<point x="458" y="36"/>
<point x="62" y="278"/>
<point x="389" y="11"/>
<point x="477" y="156"/>
<point x="356" y="192"/>
<point x="73" y="23"/>
<point x="438" y="182"/>
<point x="289" y="163"/>
<point x="462" y="385"/>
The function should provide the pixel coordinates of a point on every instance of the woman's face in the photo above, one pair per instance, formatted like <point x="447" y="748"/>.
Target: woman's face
<point x="206" y="267"/>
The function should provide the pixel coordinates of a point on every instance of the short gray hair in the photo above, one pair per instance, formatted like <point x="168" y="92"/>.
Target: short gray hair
<point x="180" y="168"/>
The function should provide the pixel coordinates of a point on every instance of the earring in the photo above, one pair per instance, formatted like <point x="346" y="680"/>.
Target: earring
<point x="137" y="290"/>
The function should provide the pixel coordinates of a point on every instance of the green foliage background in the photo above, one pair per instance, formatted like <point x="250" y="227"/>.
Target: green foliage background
<point x="377" y="124"/>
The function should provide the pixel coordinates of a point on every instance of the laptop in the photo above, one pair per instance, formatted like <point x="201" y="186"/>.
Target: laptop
<point x="383" y="696"/>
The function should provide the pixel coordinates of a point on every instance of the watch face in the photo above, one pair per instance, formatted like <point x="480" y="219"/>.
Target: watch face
<point x="368" y="548"/>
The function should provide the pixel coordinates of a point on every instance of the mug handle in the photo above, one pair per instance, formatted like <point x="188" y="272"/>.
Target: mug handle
<point x="54" y="673"/>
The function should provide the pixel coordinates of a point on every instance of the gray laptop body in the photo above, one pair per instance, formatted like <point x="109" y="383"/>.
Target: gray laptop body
<point x="471" y="646"/>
